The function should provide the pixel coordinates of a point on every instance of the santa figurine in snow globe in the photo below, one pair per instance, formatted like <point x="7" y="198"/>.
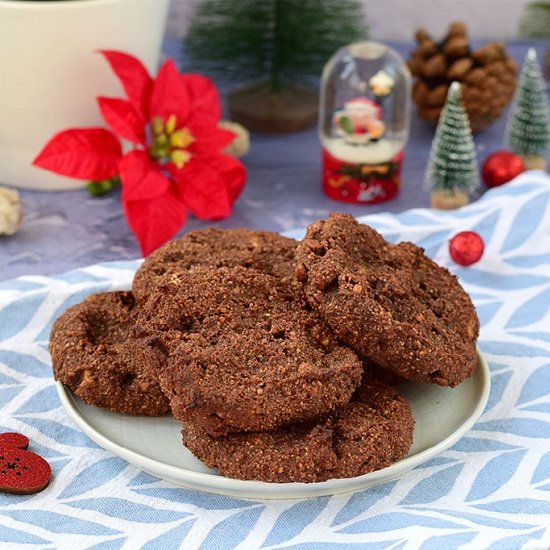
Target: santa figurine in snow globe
<point x="364" y="122"/>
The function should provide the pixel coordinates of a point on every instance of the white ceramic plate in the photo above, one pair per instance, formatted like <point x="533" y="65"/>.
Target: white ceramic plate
<point x="442" y="416"/>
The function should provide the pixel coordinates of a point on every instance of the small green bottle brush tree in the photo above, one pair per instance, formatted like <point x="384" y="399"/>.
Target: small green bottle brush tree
<point x="275" y="47"/>
<point x="535" y="22"/>
<point x="528" y="128"/>
<point x="452" y="172"/>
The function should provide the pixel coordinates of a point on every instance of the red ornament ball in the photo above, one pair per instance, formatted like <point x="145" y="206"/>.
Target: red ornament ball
<point x="500" y="167"/>
<point x="466" y="248"/>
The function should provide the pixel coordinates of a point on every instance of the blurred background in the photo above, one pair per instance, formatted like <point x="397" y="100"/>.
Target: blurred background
<point x="485" y="19"/>
<point x="287" y="184"/>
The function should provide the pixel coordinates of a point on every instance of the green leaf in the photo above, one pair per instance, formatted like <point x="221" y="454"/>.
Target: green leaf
<point x="346" y="124"/>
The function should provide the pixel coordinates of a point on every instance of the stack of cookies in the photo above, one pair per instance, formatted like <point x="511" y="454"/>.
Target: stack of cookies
<point x="275" y="355"/>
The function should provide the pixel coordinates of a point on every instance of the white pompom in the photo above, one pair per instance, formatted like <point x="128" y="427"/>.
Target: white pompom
<point x="11" y="211"/>
<point x="241" y="144"/>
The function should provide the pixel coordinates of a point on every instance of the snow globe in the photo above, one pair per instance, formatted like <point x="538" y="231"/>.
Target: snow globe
<point x="364" y="118"/>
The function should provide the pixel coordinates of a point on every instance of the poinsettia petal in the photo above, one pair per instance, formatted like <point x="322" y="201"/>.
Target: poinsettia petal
<point x="203" y="95"/>
<point x="232" y="171"/>
<point x="208" y="137"/>
<point x="169" y="95"/>
<point x="123" y="119"/>
<point x="155" y="221"/>
<point x="203" y="190"/>
<point x="140" y="177"/>
<point x="84" y="153"/>
<point x="133" y="76"/>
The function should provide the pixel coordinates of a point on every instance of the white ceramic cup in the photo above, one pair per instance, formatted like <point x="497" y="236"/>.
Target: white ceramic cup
<point x="51" y="73"/>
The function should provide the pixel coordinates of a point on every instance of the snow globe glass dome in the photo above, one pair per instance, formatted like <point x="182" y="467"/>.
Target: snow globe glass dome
<point x="364" y="118"/>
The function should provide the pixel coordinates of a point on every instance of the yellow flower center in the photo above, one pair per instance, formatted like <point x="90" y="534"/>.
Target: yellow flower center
<point x="170" y="143"/>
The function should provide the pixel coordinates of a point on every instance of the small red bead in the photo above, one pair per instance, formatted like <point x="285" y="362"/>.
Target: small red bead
<point x="466" y="248"/>
<point x="501" y="167"/>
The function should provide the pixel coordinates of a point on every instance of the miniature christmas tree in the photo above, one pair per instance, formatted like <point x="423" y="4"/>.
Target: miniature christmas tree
<point x="528" y="128"/>
<point x="277" y="46"/>
<point x="452" y="172"/>
<point x="535" y="22"/>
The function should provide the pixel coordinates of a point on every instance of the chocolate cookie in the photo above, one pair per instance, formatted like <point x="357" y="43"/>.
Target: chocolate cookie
<point x="94" y="357"/>
<point x="389" y="302"/>
<point x="242" y="351"/>
<point x="262" y="250"/>
<point x="371" y="432"/>
<point x="382" y="375"/>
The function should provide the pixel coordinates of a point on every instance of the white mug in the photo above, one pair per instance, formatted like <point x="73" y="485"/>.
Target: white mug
<point x="51" y="73"/>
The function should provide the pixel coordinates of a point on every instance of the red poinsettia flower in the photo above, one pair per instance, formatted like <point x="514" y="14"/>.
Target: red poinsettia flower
<point x="176" y="163"/>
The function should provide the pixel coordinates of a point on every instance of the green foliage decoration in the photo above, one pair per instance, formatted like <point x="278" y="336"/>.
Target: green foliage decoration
<point x="452" y="163"/>
<point x="279" y="42"/>
<point x="528" y="126"/>
<point x="535" y="22"/>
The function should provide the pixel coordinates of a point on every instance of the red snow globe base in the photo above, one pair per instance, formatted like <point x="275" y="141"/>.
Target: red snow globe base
<point x="361" y="183"/>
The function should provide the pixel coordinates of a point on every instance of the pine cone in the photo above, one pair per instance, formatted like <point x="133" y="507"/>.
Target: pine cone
<point x="488" y="76"/>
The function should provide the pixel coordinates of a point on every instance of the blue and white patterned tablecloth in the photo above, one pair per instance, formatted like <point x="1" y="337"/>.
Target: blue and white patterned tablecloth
<point x="491" y="490"/>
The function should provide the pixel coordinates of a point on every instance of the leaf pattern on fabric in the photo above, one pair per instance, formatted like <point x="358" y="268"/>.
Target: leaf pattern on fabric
<point x="490" y="490"/>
